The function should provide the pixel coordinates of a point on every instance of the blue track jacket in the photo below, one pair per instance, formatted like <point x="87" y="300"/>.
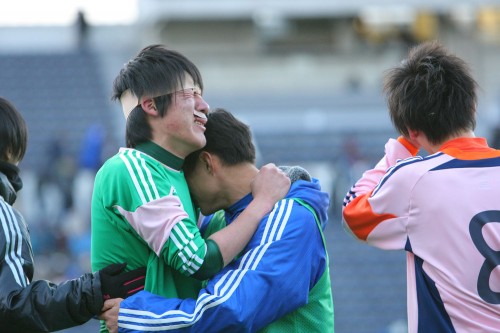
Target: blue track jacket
<point x="282" y="262"/>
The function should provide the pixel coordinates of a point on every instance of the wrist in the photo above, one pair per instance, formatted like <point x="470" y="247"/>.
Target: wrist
<point x="260" y="207"/>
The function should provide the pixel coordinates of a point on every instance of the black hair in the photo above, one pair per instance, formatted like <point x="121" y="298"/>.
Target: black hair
<point x="13" y="133"/>
<point x="431" y="91"/>
<point x="155" y="71"/>
<point x="228" y="138"/>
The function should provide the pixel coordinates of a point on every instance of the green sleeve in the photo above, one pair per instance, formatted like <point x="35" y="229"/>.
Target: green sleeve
<point x="212" y="264"/>
<point x="187" y="252"/>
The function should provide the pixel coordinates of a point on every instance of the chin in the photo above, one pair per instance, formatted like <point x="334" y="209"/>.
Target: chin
<point x="203" y="142"/>
<point x="199" y="143"/>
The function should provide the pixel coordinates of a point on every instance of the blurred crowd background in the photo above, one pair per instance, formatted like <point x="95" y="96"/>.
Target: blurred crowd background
<point x="305" y="75"/>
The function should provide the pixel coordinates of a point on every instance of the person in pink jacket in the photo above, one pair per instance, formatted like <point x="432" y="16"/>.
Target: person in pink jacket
<point x="442" y="209"/>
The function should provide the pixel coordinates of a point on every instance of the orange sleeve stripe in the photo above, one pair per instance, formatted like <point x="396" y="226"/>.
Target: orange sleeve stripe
<point x="360" y="217"/>
<point x="411" y="148"/>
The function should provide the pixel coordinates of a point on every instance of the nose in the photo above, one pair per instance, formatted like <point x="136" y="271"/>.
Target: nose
<point x="202" y="105"/>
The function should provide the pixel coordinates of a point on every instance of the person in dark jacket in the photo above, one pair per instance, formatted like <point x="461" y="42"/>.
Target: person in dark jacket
<point x="28" y="306"/>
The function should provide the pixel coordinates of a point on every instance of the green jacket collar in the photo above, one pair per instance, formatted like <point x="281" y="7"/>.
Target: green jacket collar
<point x="162" y="155"/>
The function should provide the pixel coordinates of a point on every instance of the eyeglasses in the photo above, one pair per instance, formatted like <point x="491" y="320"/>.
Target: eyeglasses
<point x="186" y="92"/>
<point x="130" y="101"/>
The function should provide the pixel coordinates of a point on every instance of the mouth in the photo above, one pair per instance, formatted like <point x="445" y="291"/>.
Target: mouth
<point x="200" y="118"/>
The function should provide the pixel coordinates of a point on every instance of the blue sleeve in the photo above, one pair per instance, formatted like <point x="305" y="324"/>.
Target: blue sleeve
<point x="283" y="261"/>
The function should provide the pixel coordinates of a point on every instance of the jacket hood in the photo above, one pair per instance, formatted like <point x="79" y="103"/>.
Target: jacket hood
<point x="10" y="182"/>
<point x="310" y="193"/>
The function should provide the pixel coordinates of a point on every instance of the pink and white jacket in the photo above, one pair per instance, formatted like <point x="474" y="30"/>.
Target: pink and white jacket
<point x="444" y="210"/>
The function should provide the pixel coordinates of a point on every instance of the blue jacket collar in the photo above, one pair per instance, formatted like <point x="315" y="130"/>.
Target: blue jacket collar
<point x="309" y="192"/>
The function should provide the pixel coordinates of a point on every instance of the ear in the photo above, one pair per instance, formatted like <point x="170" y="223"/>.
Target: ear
<point x="414" y="134"/>
<point x="206" y="161"/>
<point x="210" y="163"/>
<point x="148" y="105"/>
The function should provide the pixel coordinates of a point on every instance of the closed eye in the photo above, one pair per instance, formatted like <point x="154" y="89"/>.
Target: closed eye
<point x="190" y="92"/>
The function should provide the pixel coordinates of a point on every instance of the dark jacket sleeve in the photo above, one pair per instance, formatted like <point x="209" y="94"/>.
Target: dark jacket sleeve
<point x="45" y="307"/>
<point x="39" y="306"/>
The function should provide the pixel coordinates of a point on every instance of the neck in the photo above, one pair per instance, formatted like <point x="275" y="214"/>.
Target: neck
<point x="237" y="181"/>
<point x="175" y="148"/>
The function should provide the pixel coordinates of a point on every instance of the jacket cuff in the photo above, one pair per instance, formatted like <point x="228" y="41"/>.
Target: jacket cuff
<point x="407" y="144"/>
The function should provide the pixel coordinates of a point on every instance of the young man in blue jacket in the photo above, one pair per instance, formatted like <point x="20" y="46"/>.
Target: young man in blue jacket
<point x="281" y="280"/>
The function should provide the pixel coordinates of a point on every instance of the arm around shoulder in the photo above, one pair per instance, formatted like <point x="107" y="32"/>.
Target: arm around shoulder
<point x="270" y="185"/>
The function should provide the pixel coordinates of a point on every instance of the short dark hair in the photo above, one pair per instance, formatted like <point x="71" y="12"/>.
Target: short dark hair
<point x="431" y="91"/>
<point x="228" y="138"/>
<point x="13" y="132"/>
<point x="155" y="71"/>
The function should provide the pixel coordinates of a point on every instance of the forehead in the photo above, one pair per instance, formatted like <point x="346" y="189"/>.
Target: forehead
<point x="188" y="82"/>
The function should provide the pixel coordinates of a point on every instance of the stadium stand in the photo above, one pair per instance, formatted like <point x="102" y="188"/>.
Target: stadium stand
<point x="58" y="94"/>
